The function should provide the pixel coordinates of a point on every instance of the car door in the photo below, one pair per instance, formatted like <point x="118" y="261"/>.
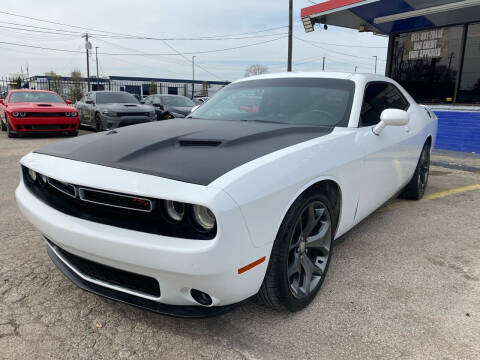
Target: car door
<point x="387" y="155"/>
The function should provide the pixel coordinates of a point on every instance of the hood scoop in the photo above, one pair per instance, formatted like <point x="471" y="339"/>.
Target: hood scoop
<point x="44" y="104"/>
<point x="200" y="143"/>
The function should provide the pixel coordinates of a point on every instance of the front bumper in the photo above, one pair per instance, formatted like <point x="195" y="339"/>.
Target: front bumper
<point x="43" y="124"/>
<point x="110" y="122"/>
<point x="109" y="293"/>
<point x="179" y="265"/>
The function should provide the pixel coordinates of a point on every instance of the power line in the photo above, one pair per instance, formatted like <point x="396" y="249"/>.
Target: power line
<point x="332" y="51"/>
<point x="150" y="54"/>
<point x="129" y="35"/>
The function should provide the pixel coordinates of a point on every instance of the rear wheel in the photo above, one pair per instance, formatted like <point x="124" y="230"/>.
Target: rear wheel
<point x="301" y="254"/>
<point x="98" y="123"/>
<point x="415" y="189"/>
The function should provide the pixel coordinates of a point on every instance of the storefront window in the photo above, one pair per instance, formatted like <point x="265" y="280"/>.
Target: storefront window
<point x="426" y="63"/>
<point x="469" y="91"/>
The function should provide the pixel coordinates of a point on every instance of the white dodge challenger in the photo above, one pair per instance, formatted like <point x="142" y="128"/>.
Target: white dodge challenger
<point x="244" y="197"/>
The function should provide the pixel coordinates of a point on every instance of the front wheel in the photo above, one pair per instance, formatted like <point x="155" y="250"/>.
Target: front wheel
<point x="301" y="254"/>
<point x="98" y="123"/>
<point x="415" y="189"/>
<point x="10" y="132"/>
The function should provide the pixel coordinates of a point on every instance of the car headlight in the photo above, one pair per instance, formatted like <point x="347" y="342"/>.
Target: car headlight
<point x="204" y="217"/>
<point x="175" y="210"/>
<point x="109" y="113"/>
<point x="32" y="174"/>
<point x="15" y="114"/>
<point x="71" y="114"/>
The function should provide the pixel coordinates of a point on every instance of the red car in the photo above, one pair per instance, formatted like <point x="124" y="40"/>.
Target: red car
<point x="34" y="111"/>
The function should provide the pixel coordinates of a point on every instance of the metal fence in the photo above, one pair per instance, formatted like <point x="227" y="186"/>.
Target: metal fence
<point x="74" y="89"/>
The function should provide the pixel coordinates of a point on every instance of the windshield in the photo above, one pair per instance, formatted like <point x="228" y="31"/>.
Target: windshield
<point x="115" y="97"/>
<point x="180" y="101"/>
<point x="299" y="101"/>
<point x="33" y="96"/>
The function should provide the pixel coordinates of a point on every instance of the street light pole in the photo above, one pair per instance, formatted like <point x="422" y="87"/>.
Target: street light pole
<point x="96" y="61"/>
<point x="193" y="75"/>
<point x="376" y="59"/>
<point x="290" y="14"/>
<point x="323" y="65"/>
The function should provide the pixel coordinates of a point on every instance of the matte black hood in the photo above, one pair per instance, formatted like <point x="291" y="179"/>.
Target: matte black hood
<point x="190" y="150"/>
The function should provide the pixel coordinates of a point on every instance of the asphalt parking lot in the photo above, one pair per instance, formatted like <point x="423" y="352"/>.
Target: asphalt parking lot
<point x="405" y="284"/>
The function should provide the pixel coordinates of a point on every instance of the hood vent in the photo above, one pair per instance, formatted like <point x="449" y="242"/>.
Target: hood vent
<point x="208" y="143"/>
<point x="44" y="104"/>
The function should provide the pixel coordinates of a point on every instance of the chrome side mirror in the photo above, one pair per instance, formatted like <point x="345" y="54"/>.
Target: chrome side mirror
<point x="391" y="117"/>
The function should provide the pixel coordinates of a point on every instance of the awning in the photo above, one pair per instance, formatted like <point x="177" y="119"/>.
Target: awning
<point x="390" y="16"/>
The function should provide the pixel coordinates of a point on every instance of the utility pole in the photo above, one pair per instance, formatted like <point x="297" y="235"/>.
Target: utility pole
<point x="376" y="59"/>
<point x="290" y="13"/>
<point x="96" y="62"/>
<point x="88" y="46"/>
<point x="193" y="76"/>
<point x="323" y="66"/>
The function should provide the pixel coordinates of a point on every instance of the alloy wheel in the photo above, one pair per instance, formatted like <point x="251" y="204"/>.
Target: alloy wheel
<point x="309" y="249"/>
<point x="424" y="169"/>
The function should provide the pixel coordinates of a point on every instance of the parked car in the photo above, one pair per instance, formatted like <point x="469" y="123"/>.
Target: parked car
<point x="33" y="111"/>
<point x="105" y="110"/>
<point x="190" y="216"/>
<point x="170" y="106"/>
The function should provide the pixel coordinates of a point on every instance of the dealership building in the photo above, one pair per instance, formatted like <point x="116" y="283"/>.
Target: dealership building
<point x="433" y="52"/>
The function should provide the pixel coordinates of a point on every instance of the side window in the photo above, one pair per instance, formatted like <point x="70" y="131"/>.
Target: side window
<point x="378" y="97"/>
<point x="148" y="100"/>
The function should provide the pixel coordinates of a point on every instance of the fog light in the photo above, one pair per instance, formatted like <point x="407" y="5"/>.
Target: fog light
<point x="201" y="297"/>
<point x="204" y="217"/>
<point x="32" y="174"/>
<point x="175" y="209"/>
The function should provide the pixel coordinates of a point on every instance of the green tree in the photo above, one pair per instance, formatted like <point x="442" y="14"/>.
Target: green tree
<point x="152" y="89"/>
<point x="76" y="90"/>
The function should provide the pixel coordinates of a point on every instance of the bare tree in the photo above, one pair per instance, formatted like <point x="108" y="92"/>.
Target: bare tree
<point x="255" y="69"/>
<point x="76" y="90"/>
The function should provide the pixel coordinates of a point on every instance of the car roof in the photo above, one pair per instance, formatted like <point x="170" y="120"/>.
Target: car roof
<point x="32" y="90"/>
<point x="318" y="74"/>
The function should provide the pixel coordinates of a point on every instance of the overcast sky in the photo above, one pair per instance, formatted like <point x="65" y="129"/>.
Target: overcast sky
<point x="176" y="19"/>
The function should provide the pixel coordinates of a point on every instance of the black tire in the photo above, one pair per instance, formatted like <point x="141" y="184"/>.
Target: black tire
<point x="415" y="189"/>
<point x="10" y="132"/>
<point x="4" y="127"/>
<point x="98" y="123"/>
<point x="73" y="133"/>
<point x="281" y="279"/>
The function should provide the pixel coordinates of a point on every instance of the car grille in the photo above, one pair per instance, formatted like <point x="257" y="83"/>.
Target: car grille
<point x="133" y="114"/>
<point x="45" y="114"/>
<point x="110" y="208"/>
<point x="125" y="279"/>
<point x="46" y="127"/>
